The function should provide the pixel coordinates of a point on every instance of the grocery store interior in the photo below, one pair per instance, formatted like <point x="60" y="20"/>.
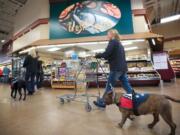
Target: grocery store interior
<point x="66" y="35"/>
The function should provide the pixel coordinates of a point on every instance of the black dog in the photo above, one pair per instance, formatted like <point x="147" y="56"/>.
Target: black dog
<point x="18" y="85"/>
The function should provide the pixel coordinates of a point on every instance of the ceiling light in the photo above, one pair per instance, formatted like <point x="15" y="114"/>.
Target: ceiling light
<point x="26" y="50"/>
<point x="69" y="52"/>
<point x="170" y="18"/>
<point x="127" y="43"/>
<point x="2" y="41"/>
<point x="131" y="48"/>
<point x="153" y="41"/>
<point x="88" y="43"/>
<point x="53" y="49"/>
<point x="82" y="54"/>
<point x="136" y="40"/>
<point x="98" y="50"/>
<point x="105" y="42"/>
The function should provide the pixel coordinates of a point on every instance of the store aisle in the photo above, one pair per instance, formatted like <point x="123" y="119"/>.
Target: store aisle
<point x="42" y="114"/>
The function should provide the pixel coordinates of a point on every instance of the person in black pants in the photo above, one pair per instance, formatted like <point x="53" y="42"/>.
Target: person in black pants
<point x="40" y="74"/>
<point x="30" y="63"/>
<point x="115" y="54"/>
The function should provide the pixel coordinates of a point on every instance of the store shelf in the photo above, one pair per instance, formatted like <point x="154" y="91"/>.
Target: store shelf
<point x="140" y="72"/>
<point x="176" y="66"/>
<point x="63" y="84"/>
<point x="133" y="61"/>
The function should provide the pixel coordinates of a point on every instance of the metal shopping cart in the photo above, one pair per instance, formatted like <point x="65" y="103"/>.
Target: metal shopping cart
<point x="89" y="67"/>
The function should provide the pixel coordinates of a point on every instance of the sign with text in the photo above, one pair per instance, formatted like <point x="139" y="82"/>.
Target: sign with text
<point x="74" y="19"/>
<point x="160" y="61"/>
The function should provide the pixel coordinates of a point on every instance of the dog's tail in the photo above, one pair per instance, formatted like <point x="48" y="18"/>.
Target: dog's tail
<point x="172" y="99"/>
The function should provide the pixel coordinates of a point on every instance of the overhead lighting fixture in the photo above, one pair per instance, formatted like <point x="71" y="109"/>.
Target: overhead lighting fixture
<point x="135" y="40"/>
<point x="98" y="50"/>
<point x="82" y="54"/>
<point x="53" y="49"/>
<point x="138" y="40"/>
<point x="88" y="43"/>
<point x="131" y="48"/>
<point x="26" y="50"/>
<point x="170" y="18"/>
<point x="69" y="52"/>
<point x="130" y="42"/>
<point x="153" y="41"/>
<point x="105" y="42"/>
<point x="127" y="43"/>
<point x="2" y="41"/>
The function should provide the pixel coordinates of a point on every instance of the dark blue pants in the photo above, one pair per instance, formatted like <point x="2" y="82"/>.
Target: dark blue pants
<point x="30" y="83"/>
<point x="6" y="78"/>
<point x="39" y="80"/>
<point x="113" y="77"/>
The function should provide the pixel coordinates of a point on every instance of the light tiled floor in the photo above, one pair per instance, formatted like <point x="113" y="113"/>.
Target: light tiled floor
<point x="42" y="114"/>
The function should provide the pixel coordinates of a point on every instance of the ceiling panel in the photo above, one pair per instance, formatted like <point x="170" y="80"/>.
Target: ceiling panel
<point x="8" y="10"/>
<point x="158" y="9"/>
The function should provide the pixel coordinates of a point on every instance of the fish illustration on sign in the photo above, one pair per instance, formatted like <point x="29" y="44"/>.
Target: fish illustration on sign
<point x="90" y="17"/>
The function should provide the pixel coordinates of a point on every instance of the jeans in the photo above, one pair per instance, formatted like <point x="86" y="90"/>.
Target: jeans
<point x="6" y="78"/>
<point x="30" y="83"/>
<point x="113" y="77"/>
<point x="39" y="80"/>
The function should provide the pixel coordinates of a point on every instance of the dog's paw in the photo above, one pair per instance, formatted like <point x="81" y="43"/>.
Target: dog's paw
<point x="120" y="125"/>
<point x="131" y="118"/>
<point x="150" y="126"/>
<point x="24" y="99"/>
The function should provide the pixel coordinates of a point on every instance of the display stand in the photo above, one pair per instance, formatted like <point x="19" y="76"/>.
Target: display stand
<point x="141" y="73"/>
<point x="63" y="77"/>
<point x="175" y="62"/>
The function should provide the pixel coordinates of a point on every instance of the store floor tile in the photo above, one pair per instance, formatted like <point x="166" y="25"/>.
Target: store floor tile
<point x="42" y="114"/>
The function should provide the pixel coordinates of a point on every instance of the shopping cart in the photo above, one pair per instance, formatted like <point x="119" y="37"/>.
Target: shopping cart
<point x="89" y="67"/>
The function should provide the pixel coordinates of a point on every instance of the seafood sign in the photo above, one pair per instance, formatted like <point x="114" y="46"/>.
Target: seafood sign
<point x="90" y="17"/>
<point x="82" y="18"/>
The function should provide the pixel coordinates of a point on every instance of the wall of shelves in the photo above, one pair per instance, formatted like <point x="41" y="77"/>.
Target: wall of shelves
<point x="176" y="66"/>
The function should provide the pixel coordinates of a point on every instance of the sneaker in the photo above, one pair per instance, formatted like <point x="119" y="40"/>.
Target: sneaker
<point x="100" y="104"/>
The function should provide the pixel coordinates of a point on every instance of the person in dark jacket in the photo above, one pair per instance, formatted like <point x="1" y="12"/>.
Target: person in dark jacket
<point x="40" y="74"/>
<point x="115" y="54"/>
<point x="30" y="63"/>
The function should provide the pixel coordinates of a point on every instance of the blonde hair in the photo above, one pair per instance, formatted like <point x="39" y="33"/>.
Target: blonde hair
<point x="115" y="34"/>
<point x="32" y="52"/>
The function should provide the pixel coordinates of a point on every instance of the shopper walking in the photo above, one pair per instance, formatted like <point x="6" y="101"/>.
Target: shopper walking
<point x="6" y="72"/>
<point x="40" y="74"/>
<point x="1" y="75"/>
<point x="30" y="63"/>
<point x="115" y="54"/>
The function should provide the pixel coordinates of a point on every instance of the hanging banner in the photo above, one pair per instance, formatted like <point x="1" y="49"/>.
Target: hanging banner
<point x="74" y="19"/>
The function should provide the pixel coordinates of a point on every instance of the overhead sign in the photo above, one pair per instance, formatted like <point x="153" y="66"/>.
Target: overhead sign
<point x="76" y="18"/>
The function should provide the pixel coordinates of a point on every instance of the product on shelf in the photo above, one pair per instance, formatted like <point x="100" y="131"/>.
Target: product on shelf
<point x="64" y="74"/>
<point x="140" y="72"/>
<point x="176" y="66"/>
